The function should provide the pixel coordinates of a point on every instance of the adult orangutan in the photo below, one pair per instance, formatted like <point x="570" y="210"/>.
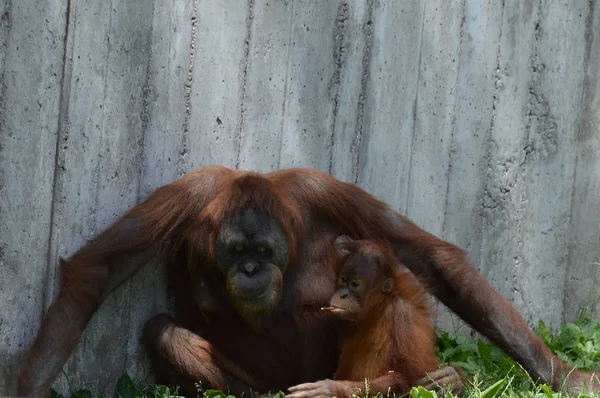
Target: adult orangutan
<point x="251" y="258"/>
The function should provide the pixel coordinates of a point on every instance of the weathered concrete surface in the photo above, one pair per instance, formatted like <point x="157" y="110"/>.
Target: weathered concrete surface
<point x="100" y="151"/>
<point x="583" y="261"/>
<point x="479" y="120"/>
<point x="393" y="66"/>
<point x="31" y="63"/>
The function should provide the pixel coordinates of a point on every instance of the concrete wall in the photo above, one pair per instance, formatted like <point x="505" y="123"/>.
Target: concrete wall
<point x="478" y="119"/>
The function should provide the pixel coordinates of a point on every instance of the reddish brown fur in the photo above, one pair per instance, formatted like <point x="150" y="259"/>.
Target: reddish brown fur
<point x="394" y="331"/>
<point x="297" y="342"/>
<point x="252" y="191"/>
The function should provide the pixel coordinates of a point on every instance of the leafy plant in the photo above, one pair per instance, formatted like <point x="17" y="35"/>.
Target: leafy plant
<point x="421" y="392"/>
<point x="578" y="344"/>
<point x="478" y="357"/>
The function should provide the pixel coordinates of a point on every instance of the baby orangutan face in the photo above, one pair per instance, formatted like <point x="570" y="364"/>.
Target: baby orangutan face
<point x="348" y="300"/>
<point x="357" y="278"/>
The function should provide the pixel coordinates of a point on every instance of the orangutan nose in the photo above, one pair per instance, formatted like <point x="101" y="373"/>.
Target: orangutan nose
<point x="250" y="267"/>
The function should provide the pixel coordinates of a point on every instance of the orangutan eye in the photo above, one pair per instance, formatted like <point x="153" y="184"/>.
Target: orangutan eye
<point x="343" y="280"/>
<point x="354" y="284"/>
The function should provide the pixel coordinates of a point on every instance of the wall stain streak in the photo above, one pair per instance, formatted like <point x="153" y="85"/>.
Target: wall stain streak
<point x="98" y="170"/>
<point x="540" y="125"/>
<point x="414" y="108"/>
<point x="62" y="136"/>
<point x="584" y="132"/>
<point x="285" y="86"/>
<point x="455" y="110"/>
<point x="182" y="163"/>
<point x="6" y="28"/>
<point x="590" y="81"/>
<point x="244" y="81"/>
<point x="145" y="116"/>
<point x="340" y="52"/>
<point x="487" y="199"/>
<point x="356" y="145"/>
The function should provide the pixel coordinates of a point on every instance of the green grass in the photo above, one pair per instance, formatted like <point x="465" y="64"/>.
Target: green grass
<point x="490" y="372"/>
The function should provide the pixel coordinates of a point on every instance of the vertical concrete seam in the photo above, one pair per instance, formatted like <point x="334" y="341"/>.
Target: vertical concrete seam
<point x="497" y="74"/>
<point x="414" y="108"/>
<point x="7" y="15"/>
<point x="498" y="85"/>
<point x="244" y="81"/>
<point x="62" y="134"/>
<point x="97" y="175"/>
<point x="452" y="149"/>
<point x="536" y="67"/>
<point x="583" y="113"/>
<point x="285" y="84"/>
<point x="145" y="115"/>
<point x="340" y="31"/>
<point x="144" y="119"/>
<point x="356" y="145"/>
<point x="166" y="119"/>
<point x="542" y="136"/>
<point x="3" y="88"/>
<point x="182" y="162"/>
<point x="563" y="315"/>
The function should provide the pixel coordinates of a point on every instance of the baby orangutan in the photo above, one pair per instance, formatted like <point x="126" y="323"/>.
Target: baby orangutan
<point x="389" y="337"/>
